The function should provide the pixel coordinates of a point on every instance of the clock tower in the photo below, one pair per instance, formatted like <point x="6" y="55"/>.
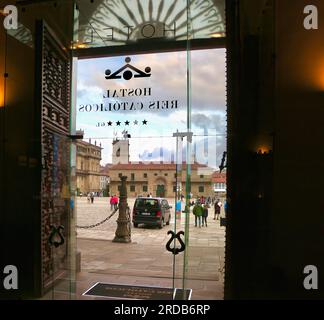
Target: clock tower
<point x="120" y="152"/>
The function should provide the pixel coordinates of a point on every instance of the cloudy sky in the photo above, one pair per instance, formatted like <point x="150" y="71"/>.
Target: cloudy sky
<point x="167" y="84"/>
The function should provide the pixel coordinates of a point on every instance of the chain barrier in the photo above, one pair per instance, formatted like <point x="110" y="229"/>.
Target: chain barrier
<point x="99" y="223"/>
<point x="106" y="219"/>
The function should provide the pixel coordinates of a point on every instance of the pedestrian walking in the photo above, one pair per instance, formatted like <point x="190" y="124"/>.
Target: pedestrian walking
<point x="178" y="209"/>
<point x="198" y="212"/>
<point x="116" y="200"/>
<point x="218" y="206"/>
<point x="111" y="203"/>
<point x="205" y="215"/>
<point x="92" y="197"/>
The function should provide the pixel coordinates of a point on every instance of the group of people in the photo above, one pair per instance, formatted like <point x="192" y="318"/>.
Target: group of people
<point x="91" y="195"/>
<point x="200" y="211"/>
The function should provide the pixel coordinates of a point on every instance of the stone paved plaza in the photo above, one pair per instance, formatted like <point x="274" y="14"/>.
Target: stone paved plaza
<point x="145" y="261"/>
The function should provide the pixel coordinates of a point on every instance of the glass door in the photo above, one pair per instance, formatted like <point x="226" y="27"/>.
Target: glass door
<point x="206" y="183"/>
<point x="140" y="108"/>
<point x="128" y="127"/>
<point x="142" y="95"/>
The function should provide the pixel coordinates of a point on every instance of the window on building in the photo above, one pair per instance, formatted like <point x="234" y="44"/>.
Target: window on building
<point x="166" y="174"/>
<point x="201" y="176"/>
<point x="201" y="189"/>
<point x="175" y="175"/>
<point x="155" y="174"/>
<point x="120" y="175"/>
<point x="174" y="188"/>
<point x="220" y="186"/>
<point x="132" y="188"/>
<point x="119" y="188"/>
<point x="132" y="176"/>
<point x="145" y="176"/>
<point x="145" y="188"/>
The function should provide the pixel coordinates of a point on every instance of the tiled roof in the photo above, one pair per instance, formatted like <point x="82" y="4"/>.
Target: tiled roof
<point x="219" y="177"/>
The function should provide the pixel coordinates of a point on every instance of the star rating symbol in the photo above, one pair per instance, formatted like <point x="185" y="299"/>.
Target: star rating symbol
<point x="126" y="123"/>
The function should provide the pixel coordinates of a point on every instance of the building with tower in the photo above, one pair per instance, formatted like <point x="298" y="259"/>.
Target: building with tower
<point x="120" y="147"/>
<point x="156" y="178"/>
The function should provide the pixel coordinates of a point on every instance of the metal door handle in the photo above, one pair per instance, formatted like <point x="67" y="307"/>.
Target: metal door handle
<point x="56" y="231"/>
<point x="174" y="236"/>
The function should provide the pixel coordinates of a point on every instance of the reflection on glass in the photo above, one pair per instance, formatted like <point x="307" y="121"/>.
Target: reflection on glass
<point x="22" y="34"/>
<point x="120" y="22"/>
<point x="134" y="122"/>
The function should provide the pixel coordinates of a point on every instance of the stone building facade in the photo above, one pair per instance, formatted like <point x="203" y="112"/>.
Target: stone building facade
<point x="159" y="179"/>
<point x="88" y="167"/>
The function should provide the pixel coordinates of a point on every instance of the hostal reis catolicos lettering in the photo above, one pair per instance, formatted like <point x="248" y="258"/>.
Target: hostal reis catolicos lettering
<point x="122" y="93"/>
<point x="132" y="99"/>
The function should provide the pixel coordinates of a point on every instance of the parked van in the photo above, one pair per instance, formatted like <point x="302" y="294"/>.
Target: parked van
<point x="151" y="211"/>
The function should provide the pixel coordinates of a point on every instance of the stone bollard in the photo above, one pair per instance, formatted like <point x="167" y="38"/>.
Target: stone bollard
<point x="122" y="233"/>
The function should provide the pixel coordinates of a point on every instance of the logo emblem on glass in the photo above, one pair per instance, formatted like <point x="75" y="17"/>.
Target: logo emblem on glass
<point x="128" y="72"/>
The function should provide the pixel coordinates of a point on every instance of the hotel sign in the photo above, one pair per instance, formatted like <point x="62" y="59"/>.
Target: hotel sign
<point x="121" y="22"/>
<point x="123" y="104"/>
<point x="128" y="99"/>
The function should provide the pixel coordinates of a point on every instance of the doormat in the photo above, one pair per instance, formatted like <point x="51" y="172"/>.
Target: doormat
<point x="131" y="292"/>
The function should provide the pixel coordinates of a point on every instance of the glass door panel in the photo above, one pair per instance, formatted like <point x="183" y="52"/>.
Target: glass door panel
<point x="141" y="116"/>
<point x="205" y="256"/>
<point x="130" y="119"/>
<point x="130" y="108"/>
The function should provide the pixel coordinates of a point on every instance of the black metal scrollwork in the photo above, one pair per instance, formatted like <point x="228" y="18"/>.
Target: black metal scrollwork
<point x="56" y="232"/>
<point x="174" y="236"/>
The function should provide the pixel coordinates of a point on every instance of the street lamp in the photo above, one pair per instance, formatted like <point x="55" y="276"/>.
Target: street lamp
<point x="123" y="233"/>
